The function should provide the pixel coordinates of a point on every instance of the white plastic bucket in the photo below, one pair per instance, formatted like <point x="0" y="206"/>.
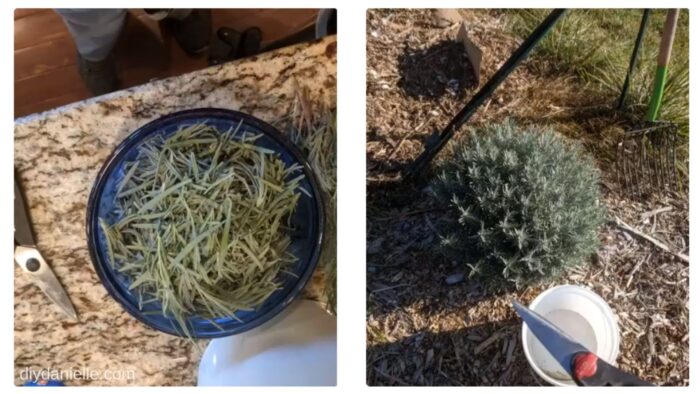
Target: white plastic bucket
<point x="295" y="348"/>
<point x="583" y="315"/>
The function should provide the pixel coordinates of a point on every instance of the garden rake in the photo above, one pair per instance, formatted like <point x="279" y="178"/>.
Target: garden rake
<point x="646" y="157"/>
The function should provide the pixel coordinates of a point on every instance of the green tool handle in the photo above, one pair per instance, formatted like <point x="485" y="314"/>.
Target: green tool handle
<point x="662" y="64"/>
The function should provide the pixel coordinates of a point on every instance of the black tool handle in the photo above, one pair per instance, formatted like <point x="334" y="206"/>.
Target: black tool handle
<point x="23" y="227"/>
<point x="589" y="370"/>
<point x="436" y="142"/>
<point x="633" y="60"/>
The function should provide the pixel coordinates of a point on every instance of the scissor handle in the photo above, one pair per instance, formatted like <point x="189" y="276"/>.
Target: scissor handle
<point x="23" y="227"/>
<point x="589" y="370"/>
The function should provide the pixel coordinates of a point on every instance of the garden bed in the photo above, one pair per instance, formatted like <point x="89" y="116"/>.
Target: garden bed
<point x="422" y="331"/>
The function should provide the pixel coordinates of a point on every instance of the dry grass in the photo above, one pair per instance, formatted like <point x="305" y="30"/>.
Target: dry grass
<point x="595" y="46"/>
<point x="421" y="331"/>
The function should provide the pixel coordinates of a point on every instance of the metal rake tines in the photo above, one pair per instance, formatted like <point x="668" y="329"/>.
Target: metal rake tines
<point x="646" y="159"/>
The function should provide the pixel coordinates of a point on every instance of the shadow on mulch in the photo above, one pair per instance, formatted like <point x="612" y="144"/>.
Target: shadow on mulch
<point x="405" y="266"/>
<point x="435" y="71"/>
<point x="484" y="354"/>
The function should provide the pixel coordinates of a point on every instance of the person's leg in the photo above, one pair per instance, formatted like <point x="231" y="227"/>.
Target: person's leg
<point x="191" y="27"/>
<point x="95" y="32"/>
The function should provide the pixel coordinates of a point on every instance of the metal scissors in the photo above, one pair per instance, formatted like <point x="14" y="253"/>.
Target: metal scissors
<point x="27" y="256"/>
<point x="584" y="366"/>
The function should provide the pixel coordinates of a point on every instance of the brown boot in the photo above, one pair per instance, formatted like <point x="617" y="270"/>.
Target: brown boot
<point x="193" y="33"/>
<point x="100" y="77"/>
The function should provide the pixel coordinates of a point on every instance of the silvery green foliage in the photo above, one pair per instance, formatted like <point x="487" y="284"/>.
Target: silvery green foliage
<point x="525" y="204"/>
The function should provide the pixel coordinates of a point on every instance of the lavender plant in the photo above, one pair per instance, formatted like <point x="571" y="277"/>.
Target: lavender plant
<point x="524" y="203"/>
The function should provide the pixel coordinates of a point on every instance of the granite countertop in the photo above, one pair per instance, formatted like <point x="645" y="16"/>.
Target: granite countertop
<point x="57" y="156"/>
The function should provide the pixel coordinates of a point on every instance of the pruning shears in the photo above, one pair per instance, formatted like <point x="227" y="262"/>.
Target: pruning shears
<point x="28" y="257"/>
<point x="584" y="366"/>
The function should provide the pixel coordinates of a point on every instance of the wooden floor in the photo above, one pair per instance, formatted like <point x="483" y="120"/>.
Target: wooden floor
<point x="46" y="74"/>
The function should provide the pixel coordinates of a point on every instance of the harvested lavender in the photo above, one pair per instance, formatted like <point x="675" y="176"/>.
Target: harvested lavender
<point x="202" y="222"/>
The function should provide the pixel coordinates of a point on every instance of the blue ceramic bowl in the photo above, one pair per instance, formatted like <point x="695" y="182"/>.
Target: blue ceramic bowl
<point x="308" y="220"/>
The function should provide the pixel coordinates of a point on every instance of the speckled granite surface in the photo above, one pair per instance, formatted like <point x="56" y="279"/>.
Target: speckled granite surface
<point x="58" y="154"/>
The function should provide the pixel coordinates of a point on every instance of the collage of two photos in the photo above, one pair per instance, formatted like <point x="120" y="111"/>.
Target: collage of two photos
<point x="526" y="181"/>
<point x="175" y="177"/>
